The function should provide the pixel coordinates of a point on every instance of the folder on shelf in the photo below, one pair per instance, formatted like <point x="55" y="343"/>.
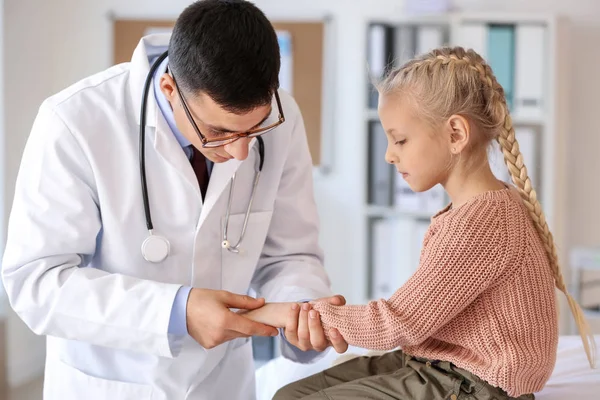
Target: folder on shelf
<point x="501" y="55"/>
<point x="380" y="172"/>
<point x="394" y="255"/>
<point x="381" y="264"/>
<point x="404" y="44"/>
<point x="380" y="53"/>
<point x="530" y="59"/>
<point x="405" y="199"/>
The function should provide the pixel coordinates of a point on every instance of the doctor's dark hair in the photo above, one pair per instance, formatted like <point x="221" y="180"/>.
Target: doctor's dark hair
<point x="227" y="49"/>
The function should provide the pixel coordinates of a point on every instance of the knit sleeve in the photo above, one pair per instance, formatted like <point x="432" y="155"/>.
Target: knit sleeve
<point x="463" y="254"/>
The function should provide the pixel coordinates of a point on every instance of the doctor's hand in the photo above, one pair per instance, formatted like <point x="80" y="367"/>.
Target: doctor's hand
<point x="304" y="330"/>
<point x="211" y="322"/>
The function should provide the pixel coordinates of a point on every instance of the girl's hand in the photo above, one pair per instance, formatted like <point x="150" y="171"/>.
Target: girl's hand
<point x="304" y="330"/>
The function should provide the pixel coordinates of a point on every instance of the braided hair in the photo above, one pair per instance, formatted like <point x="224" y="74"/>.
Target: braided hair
<point x="454" y="81"/>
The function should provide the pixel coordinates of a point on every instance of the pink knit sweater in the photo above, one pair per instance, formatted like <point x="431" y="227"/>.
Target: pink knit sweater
<point x="482" y="298"/>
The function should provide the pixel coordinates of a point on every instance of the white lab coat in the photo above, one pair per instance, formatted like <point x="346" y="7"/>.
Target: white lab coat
<point x="73" y="268"/>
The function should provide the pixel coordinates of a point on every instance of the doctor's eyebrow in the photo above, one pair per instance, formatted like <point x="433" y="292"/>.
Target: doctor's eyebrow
<point x="225" y="130"/>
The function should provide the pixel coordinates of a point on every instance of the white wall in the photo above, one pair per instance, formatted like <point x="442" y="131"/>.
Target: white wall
<point x="4" y="307"/>
<point x="2" y="152"/>
<point x="28" y="68"/>
<point x="76" y="41"/>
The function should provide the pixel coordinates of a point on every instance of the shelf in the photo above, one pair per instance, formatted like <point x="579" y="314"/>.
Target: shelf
<point x="502" y="17"/>
<point x="518" y="119"/>
<point x="433" y="18"/>
<point x="391" y="212"/>
<point x="453" y="17"/>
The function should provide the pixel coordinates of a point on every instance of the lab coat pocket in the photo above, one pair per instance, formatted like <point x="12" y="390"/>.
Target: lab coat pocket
<point x="237" y="269"/>
<point x="72" y="384"/>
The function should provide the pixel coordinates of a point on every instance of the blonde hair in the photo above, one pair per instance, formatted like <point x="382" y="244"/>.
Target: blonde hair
<point x="455" y="81"/>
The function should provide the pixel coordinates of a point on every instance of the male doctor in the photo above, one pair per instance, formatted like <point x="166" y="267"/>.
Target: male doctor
<point x="139" y="302"/>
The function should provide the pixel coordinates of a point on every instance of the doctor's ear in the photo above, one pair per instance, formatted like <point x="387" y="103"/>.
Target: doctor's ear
<point x="167" y="87"/>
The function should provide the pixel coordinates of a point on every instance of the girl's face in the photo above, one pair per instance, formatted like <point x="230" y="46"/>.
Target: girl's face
<point x="421" y="155"/>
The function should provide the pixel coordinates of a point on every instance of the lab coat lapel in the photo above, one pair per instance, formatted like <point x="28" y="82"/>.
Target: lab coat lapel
<point x="220" y="179"/>
<point x="164" y="141"/>
<point x="170" y="150"/>
<point x="139" y="68"/>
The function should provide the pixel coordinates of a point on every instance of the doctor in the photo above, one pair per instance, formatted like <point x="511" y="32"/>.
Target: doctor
<point x="151" y="200"/>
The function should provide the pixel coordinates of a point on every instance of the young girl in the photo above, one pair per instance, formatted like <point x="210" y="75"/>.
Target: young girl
<point x="478" y="319"/>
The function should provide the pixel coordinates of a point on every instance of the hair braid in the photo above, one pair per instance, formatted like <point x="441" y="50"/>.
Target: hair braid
<point x="518" y="172"/>
<point x="449" y="81"/>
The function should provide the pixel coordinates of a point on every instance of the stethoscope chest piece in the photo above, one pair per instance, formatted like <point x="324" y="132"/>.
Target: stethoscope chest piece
<point x="155" y="248"/>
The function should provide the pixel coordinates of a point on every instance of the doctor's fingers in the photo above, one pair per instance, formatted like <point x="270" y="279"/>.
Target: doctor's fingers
<point x="233" y="300"/>
<point x="318" y="341"/>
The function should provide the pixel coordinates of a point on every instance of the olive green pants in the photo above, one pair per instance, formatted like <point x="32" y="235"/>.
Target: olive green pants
<point x="393" y="376"/>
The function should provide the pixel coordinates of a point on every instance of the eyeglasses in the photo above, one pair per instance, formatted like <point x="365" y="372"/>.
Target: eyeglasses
<point x="230" y="138"/>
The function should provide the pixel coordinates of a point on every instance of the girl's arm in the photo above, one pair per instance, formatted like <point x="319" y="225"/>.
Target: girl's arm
<point x="459" y="261"/>
<point x="273" y="314"/>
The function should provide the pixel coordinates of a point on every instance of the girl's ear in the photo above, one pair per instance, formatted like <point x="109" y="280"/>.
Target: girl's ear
<point x="458" y="133"/>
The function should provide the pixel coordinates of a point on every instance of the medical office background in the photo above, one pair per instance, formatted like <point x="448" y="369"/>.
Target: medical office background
<point x="47" y="45"/>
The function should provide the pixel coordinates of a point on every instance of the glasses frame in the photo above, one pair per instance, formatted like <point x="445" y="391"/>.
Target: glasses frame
<point x="223" y="140"/>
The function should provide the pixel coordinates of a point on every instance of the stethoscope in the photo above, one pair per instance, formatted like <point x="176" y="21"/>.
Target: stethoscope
<point x="156" y="248"/>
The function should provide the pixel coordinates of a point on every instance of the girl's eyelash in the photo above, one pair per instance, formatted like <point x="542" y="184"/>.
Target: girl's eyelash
<point x="401" y="141"/>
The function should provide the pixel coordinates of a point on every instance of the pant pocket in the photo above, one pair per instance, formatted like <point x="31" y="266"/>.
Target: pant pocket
<point x="434" y="382"/>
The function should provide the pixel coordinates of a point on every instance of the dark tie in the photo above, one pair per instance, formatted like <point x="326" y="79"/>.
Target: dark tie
<point x="198" y="162"/>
